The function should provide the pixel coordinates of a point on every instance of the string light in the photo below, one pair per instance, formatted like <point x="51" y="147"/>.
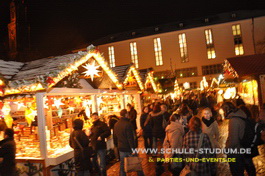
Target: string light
<point x="150" y="78"/>
<point x="66" y="72"/>
<point x="136" y="75"/>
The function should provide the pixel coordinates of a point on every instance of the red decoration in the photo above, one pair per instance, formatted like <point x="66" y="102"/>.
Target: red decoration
<point x="1" y="105"/>
<point x="96" y="50"/>
<point x="2" y="89"/>
<point x="49" y="80"/>
<point x="50" y="101"/>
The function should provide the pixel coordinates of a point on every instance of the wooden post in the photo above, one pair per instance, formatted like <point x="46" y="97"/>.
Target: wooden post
<point x="94" y="103"/>
<point x="123" y="101"/>
<point x="41" y="126"/>
<point x="139" y="109"/>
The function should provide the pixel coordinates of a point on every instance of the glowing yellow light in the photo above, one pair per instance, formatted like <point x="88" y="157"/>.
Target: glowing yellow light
<point x="186" y="85"/>
<point x="1" y="82"/>
<point x="203" y="83"/>
<point x="6" y="109"/>
<point x="91" y="70"/>
<point x="30" y="115"/>
<point x="136" y="75"/>
<point x="230" y="93"/>
<point x="150" y="78"/>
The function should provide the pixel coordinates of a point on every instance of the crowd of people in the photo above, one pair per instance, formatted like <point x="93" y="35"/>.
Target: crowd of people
<point x="186" y="124"/>
<point x="189" y="119"/>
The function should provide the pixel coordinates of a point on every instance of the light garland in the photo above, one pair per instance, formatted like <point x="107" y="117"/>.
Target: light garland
<point x="136" y="75"/>
<point x="176" y="85"/>
<point x="150" y="78"/>
<point x="214" y="80"/>
<point x="229" y="69"/>
<point x="20" y="86"/>
<point x="204" y="84"/>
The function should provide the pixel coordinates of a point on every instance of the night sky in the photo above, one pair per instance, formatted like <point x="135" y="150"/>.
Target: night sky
<point x="58" y="26"/>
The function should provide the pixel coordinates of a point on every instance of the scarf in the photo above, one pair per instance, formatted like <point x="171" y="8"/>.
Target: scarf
<point x="207" y="122"/>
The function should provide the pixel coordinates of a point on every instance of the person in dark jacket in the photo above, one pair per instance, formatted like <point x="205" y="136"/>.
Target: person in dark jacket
<point x="147" y="128"/>
<point x="236" y="128"/>
<point x="166" y="115"/>
<point x="113" y="119"/>
<point x="99" y="132"/>
<point x="158" y="131"/>
<point x="132" y="115"/>
<point x="82" y="162"/>
<point x="125" y="135"/>
<point x="8" y="154"/>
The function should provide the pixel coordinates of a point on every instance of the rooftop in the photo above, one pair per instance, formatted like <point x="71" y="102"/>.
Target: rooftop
<point x="180" y="25"/>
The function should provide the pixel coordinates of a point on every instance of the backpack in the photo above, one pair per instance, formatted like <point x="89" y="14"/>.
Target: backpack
<point x="251" y="137"/>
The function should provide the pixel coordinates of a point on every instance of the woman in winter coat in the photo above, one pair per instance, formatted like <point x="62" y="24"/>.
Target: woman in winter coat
<point x="174" y="137"/>
<point x="147" y="128"/>
<point x="82" y="163"/>
<point x="210" y="127"/>
<point x="191" y="141"/>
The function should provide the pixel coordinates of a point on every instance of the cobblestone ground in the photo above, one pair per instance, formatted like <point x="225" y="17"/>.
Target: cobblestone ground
<point x="222" y="168"/>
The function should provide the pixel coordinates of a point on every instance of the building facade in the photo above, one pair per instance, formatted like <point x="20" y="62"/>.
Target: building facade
<point x="188" y="49"/>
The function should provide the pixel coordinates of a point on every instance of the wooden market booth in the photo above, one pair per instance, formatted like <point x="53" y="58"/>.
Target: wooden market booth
<point x="249" y="71"/>
<point x="42" y="97"/>
<point x="151" y="87"/>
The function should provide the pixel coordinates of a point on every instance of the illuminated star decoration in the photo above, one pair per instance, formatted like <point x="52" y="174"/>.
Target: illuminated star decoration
<point x="71" y="109"/>
<point x="91" y="70"/>
<point x="19" y="105"/>
<point x="86" y="103"/>
<point x="57" y="103"/>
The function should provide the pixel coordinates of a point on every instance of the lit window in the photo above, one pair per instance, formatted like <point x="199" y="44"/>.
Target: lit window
<point x="158" y="51"/>
<point x="183" y="48"/>
<point x="134" y="55"/>
<point x="111" y="56"/>
<point x="209" y="44"/>
<point x="239" y="50"/>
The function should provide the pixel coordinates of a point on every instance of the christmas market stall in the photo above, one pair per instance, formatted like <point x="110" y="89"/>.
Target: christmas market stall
<point x="41" y="98"/>
<point x="131" y="79"/>
<point x="249" y="71"/>
<point x="152" y="86"/>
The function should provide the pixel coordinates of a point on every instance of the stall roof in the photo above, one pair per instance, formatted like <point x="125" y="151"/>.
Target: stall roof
<point x="121" y="71"/>
<point x="9" y="68"/>
<point x="248" y="65"/>
<point x="45" y="73"/>
<point x="143" y="73"/>
<point x="45" y="66"/>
